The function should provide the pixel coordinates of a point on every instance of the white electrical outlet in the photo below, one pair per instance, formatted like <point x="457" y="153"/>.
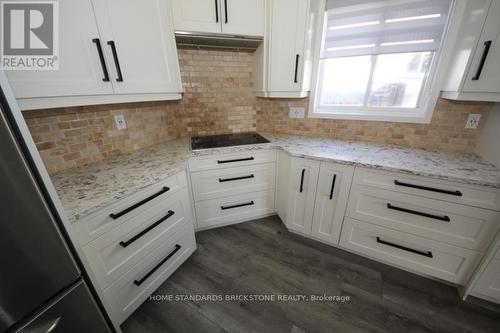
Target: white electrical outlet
<point x="296" y="112"/>
<point x="473" y="120"/>
<point x="120" y="122"/>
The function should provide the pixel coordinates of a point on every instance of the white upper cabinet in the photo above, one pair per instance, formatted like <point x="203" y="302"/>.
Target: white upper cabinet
<point x="286" y="44"/>
<point x="197" y="15"/>
<point x="232" y="17"/>
<point x="484" y="75"/>
<point x="140" y="45"/>
<point x="243" y="17"/>
<point x="283" y="66"/>
<point x="474" y="72"/>
<point x="80" y="71"/>
<point x="110" y="52"/>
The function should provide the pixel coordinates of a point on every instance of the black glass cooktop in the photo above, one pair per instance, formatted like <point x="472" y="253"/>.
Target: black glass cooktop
<point x="226" y="140"/>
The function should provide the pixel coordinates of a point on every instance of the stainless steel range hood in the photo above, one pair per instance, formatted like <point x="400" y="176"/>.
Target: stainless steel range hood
<point x="211" y="40"/>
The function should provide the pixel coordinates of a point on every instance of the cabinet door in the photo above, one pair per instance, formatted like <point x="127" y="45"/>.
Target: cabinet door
<point x="334" y="182"/>
<point x="488" y="284"/>
<point x="139" y="44"/>
<point x="286" y="40"/>
<point x="243" y="17"/>
<point x="303" y="181"/>
<point x="197" y="15"/>
<point x="80" y="71"/>
<point x="484" y="73"/>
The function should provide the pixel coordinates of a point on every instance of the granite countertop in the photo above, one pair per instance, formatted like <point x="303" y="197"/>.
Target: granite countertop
<point x="86" y="189"/>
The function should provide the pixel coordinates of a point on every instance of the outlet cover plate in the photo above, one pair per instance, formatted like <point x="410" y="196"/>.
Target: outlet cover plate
<point x="120" y="121"/>
<point x="473" y="120"/>
<point x="294" y="112"/>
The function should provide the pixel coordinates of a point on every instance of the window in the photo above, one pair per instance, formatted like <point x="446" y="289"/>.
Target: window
<point x="378" y="59"/>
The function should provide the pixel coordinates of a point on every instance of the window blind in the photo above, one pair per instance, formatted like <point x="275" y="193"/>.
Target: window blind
<point x="369" y="27"/>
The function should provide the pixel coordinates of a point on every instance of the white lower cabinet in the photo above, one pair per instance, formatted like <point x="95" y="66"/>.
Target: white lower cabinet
<point x="234" y="187"/>
<point x="436" y="228"/>
<point x="317" y="197"/>
<point x="222" y="183"/>
<point x="114" y="253"/>
<point x="301" y="195"/>
<point x="234" y="209"/>
<point x="133" y="245"/>
<point x="432" y="227"/>
<point x="468" y="227"/>
<point x="486" y="281"/>
<point x="135" y="286"/>
<point x="488" y="285"/>
<point x="332" y="193"/>
<point x="418" y="254"/>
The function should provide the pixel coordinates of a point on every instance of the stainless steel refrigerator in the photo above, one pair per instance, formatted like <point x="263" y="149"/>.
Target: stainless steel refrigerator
<point x="42" y="287"/>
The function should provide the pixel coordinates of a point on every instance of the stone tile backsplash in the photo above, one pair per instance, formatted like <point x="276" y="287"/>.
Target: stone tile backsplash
<point x="218" y="98"/>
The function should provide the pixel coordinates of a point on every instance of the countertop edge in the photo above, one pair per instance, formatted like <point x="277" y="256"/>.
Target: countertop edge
<point x="78" y="216"/>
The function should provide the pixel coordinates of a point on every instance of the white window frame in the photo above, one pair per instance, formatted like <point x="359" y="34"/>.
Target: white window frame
<point x="429" y="94"/>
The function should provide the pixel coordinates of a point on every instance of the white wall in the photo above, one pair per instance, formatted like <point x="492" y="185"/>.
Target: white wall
<point x="488" y="146"/>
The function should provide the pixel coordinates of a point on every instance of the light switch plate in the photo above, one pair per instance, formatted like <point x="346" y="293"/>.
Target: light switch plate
<point x="473" y="120"/>
<point x="294" y="112"/>
<point x="120" y="122"/>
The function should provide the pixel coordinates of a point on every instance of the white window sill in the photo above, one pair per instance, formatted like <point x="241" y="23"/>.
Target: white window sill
<point x="388" y="116"/>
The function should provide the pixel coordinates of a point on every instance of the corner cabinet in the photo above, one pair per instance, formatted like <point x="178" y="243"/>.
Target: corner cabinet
<point x="317" y="195"/>
<point x="105" y="57"/>
<point x="232" y="17"/>
<point x="474" y="71"/>
<point x="283" y="61"/>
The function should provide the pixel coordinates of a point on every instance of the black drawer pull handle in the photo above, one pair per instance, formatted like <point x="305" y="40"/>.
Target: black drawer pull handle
<point x="140" y="203"/>
<point x="222" y="180"/>
<point x="295" y="79"/>
<point x="216" y="11"/>
<point x="401" y="247"/>
<point x="225" y="10"/>
<point x="333" y="186"/>
<point x="302" y="181"/>
<point x="117" y="62"/>
<point x="97" y="43"/>
<point x="238" y="205"/>
<point x="145" y="231"/>
<point x="426" y="188"/>
<point x="487" y="46"/>
<point x="236" y="160"/>
<point x="144" y="278"/>
<point x="416" y="212"/>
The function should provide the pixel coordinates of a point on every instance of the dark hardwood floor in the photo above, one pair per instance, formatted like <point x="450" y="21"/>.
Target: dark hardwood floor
<point x="262" y="257"/>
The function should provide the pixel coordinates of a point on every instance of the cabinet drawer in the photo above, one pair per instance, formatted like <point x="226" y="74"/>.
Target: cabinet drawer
<point x="100" y="222"/>
<point x="231" y="160"/>
<point x="126" y="294"/>
<point x="414" y="253"/>
<point x="465" y="194"/>
<point x="115" y="252"/>
<point x="234" y="209"/>
<point x="459" y="225"/>
<point x="213" y="184"/>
